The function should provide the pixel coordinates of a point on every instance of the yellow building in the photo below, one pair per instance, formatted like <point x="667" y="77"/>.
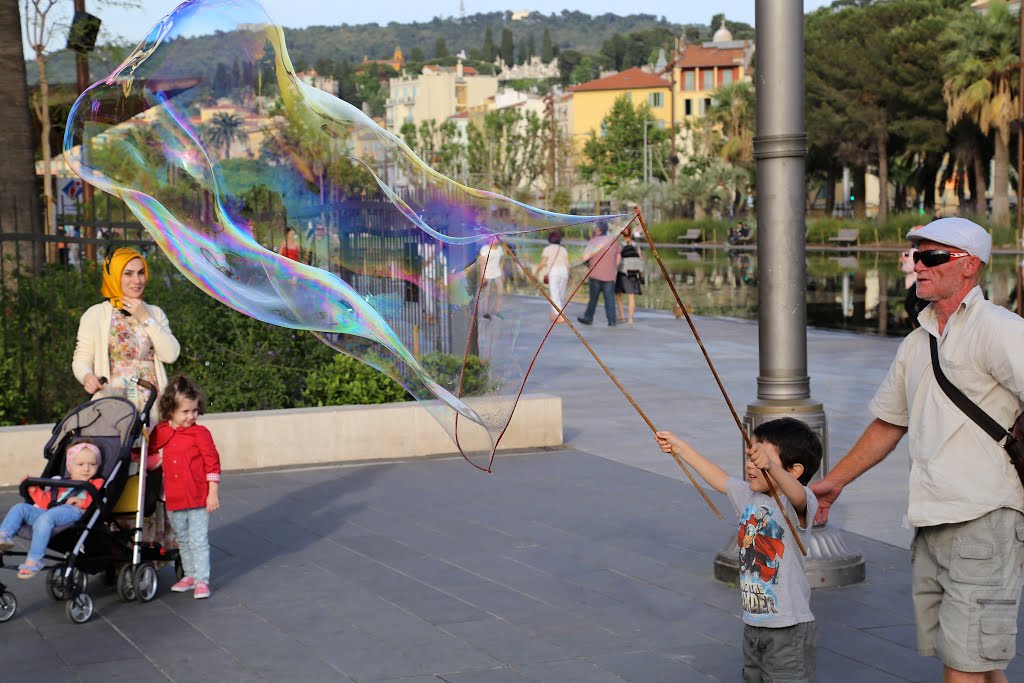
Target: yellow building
<point x="698" y="71"/>
<point x="593" y="100"/>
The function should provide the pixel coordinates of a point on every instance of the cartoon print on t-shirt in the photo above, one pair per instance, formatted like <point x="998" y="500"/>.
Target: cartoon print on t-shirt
<point x="761" y="550"/>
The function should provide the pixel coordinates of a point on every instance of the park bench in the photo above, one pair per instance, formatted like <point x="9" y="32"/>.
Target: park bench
<point x="846" y="237"/>
<point x="690" y="236"/>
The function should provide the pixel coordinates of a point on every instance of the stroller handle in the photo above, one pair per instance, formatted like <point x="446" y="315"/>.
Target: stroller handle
<point x="150" y="400"/>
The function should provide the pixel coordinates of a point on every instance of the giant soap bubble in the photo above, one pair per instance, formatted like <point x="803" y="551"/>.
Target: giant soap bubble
<point x="217" y="160"/>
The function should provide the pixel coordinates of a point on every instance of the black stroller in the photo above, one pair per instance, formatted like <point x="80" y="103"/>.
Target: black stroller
<point x="97" y="543"/>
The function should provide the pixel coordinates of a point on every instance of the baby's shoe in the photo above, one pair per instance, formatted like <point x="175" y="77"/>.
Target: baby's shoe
<point x="202" y="590"/>
<point x="6" y="542"/>
<point x="184" y="586"/>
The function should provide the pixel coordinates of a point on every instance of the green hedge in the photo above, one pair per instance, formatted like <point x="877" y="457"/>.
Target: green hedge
<point x="241" y="363"/>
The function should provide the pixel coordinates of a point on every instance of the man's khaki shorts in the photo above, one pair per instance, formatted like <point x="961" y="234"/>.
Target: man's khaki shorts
<point x="967" y="587"/>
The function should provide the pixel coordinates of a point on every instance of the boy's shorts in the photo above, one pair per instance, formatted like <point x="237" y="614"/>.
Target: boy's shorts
<point x="786" y="654"/>
<point x="967" y="586"/>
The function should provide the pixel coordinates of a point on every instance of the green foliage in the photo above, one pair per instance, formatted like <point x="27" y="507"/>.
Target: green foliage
<point x="13" y="404"/>
<point x="446" y="369"/>
<point x="346" y="381"/>
<point x="615" y="156"/>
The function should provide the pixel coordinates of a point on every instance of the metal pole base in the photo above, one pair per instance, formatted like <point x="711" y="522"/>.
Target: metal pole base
<point x="829" y="561"/>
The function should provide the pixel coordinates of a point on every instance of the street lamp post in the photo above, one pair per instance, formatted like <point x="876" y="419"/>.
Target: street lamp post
<point x="783" y="385"/>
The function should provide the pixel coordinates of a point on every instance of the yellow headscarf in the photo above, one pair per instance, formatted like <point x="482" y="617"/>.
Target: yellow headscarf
<point x="113" y="267"/>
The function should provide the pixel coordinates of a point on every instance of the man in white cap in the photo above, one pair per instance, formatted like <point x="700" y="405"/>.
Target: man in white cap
<point x="966" y="500"/>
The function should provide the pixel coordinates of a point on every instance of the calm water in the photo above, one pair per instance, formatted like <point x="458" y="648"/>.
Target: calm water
<point x="862" y="292"/>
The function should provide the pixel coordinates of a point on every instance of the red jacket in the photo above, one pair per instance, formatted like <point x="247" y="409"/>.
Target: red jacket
<point x="190" y="462"/>
<point x="42" y="496"/>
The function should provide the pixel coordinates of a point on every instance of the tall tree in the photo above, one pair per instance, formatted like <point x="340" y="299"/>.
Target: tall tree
<point x="17" y="172"/>
<point x="981" y="70"/>
<point x="508" y="49"/>
<point x="40" y="25"/>
<point x="615" y="155"/>
<point x="440" y="48"/>
<point x="224" y="129"/>
<point x="509" y="150"/>
<point x="546" y="51"/>
<point x="490" y="52"/>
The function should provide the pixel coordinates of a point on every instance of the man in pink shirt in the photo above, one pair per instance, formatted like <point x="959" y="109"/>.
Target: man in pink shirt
<point x="606" y="251"/>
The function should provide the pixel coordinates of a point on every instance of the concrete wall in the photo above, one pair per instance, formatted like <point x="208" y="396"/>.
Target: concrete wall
<point x="305" y="436"/>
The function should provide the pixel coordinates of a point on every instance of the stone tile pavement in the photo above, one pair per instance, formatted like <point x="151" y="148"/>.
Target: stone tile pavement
<point x="590" y="563"/>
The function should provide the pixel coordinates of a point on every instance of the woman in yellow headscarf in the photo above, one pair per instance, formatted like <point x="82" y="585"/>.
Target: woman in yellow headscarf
<point x="123" y="338"/>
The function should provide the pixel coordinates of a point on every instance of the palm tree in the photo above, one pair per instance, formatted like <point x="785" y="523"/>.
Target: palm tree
<point x="224" y="129"/>
<point x="17" y="171"/>
<point x="732" y="108"/>
<point x="981" y="66"/>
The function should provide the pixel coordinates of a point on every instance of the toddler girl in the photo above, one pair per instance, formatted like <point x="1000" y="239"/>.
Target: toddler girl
<point x="191" y="479"/>
<point x="82" y="460"/>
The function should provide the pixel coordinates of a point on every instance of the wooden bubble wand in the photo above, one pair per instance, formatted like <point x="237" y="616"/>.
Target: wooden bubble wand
<point x="611" y="376"/>
<point x="711" y="366"/>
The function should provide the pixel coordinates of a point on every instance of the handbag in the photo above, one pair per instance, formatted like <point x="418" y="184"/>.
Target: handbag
<point x="1014" y="436"/>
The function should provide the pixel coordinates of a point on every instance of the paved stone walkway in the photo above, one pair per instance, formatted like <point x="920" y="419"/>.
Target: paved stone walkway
<point x="589" y="564"/>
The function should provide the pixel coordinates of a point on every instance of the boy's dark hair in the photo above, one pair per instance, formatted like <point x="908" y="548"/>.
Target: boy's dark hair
<point x="180" y="385"/>
<point x="796" y="442"/>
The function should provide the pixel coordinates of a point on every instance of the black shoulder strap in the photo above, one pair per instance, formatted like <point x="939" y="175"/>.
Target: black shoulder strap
<point x="969" y="407"/>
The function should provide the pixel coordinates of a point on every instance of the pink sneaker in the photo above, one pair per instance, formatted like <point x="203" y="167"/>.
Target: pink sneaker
<point x="202" y="590"/>
<point x="184" y="586"/>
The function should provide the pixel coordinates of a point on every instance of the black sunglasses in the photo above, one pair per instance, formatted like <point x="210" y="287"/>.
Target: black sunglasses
<point x="936" y="257"/>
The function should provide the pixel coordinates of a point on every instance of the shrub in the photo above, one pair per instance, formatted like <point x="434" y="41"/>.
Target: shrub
<point x="344" y="381"/>
<point x="446" y="368"/>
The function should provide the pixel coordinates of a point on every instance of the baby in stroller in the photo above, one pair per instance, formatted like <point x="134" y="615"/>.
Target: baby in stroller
<point x="88" y="467"/>
<point x="51" y="508"/>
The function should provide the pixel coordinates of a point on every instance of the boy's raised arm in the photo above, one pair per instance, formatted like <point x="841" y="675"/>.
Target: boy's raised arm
<point x="714" y="475"/>
<point x="789" y="485"/>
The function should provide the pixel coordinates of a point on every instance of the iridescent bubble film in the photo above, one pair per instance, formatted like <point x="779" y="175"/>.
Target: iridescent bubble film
<point x="294" y="207"/>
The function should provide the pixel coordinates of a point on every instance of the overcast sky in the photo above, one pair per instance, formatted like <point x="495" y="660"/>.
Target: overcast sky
<point x="131" y="25"/>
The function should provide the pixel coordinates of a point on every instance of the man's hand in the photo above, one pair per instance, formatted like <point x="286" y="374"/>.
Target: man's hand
<point x="826" y="492"/>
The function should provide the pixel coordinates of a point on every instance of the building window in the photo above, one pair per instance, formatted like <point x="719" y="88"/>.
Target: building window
<point x="656" y="99"/>
<point x="688" y="107"/>
<point x="726" y="76"/>
<point x="629" y="96"/>
<point x="688" y="80"/>
<point x="708" y="79"/>
<point x="707" y="104"/>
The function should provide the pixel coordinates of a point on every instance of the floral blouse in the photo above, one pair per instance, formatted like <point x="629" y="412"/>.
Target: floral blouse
<point x="131" y="357"/>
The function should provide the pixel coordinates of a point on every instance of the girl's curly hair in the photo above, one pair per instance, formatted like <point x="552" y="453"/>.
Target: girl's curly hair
<point x="180" y="386"/>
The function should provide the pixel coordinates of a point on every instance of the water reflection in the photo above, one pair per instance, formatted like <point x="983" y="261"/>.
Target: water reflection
<point x="862" y="292"/>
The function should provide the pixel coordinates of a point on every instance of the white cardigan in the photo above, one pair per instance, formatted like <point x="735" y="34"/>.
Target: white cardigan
<point x="92" y="353"/>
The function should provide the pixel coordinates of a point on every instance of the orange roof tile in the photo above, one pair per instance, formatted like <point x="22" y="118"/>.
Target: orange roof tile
<point x="630" y="79"/>
<point x="700" y="56"/>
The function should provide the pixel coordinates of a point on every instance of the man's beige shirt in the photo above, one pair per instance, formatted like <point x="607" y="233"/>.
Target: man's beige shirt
<point x="957" y="471"/>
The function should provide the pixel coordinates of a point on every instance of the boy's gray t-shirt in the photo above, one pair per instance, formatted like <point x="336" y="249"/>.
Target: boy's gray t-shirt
<point x="773" y="585"/>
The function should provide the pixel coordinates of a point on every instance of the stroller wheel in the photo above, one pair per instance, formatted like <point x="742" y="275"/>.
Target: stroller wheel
<point x="8" y="606"/>
<point x="55" y="582"/>
<point x="60" y="589"/>
<point x="146" y="582"/>
<point x="125" y="583"/>
<point x="79" y="608"/>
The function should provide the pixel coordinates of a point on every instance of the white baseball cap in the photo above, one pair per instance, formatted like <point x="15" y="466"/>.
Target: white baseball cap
<point x="955" y="232"/>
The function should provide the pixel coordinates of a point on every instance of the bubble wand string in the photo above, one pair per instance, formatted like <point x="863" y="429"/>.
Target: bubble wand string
<point x="711" y="366"/>
<point x="611" y="376"/>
